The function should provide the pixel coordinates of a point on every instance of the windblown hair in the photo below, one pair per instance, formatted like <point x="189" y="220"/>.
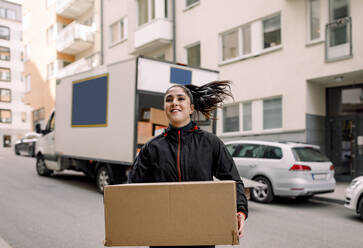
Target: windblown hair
<point x="207" y="97"/>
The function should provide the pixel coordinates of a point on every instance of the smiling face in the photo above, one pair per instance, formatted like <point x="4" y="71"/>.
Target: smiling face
<point x="177" y="107"/>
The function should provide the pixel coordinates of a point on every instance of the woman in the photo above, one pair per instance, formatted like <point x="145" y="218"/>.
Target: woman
<point x="186" y="153"/>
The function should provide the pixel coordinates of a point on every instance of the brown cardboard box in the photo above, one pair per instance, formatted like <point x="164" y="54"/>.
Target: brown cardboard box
<point x="155" y="116"/>
<point x="144" y="129"/>
<point x="167" y="214"/>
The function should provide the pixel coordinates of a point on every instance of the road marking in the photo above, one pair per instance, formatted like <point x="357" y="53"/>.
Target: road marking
<point x="3" y="244"/>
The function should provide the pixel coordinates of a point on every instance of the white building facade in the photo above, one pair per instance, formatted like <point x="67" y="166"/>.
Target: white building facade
<point x="296" y="65"/>
<point x="14" y="114"/>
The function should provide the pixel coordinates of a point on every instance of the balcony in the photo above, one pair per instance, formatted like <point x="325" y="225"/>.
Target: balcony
<point x="75" y="38"/>
<point x="153" y="35"/>
<point x="80" y="65"/>
<point x="338" y="44"/>
<point x="73" y="8"/>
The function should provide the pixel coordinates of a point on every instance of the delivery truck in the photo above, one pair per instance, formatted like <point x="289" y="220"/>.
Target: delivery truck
<point x="103" y="117"/>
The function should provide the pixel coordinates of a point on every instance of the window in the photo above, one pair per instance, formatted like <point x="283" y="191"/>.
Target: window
<point x="146" y="11"/>
<point x="4" y="33"/>
<point x="38" y="115"/>
<point x="307" y="154"/>
<point x="250" y="151"/>
<point x="272" y="113"/>
<point x="193" y="54"/>
<point x="23" y="117"/>
<point x="191" y="2"/>
<point x="5" y="95"/>
<point x="231" y="118"/>
<point x="246" y="39"/>
<point x="5" y="116"/>
<point x="51" y="34"/>
<point x="10" y="14"/>
<point x="50" y="70"/>
<point x="271" y="32"/>
<point x="231" y="148"/>
<point x="118" y="31"/>
<point x="27" y="52"/>
<point x="247" y="116"/>
<point x="230" y="45"/>
<point x="27" y="83"/>
<point x="4" y="53"/>
<point x="314" y="19"/>
<point x="2" y="12"/>
<point x="4" y="74"/>
<point x="272" y="152"/>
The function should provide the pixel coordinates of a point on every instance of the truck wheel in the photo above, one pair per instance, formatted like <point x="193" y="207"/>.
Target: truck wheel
<point x="103" y="178"/>
<point x="361" y="208"/>
<point x="42" y="170"/>
<point x="263" y="195"/>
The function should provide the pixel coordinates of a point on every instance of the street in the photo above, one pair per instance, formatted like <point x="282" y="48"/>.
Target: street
<point x="65" y="210"/>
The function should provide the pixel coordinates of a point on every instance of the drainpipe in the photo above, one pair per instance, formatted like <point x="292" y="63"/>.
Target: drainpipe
<point x="174" y="33"/>
<point x="101" y="32"/>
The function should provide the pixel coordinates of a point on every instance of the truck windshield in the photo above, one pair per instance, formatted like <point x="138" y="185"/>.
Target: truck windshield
<point x="309" y="154"/>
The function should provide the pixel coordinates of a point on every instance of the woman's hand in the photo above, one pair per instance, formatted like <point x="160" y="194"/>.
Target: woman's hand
<point x="241" y="221"/>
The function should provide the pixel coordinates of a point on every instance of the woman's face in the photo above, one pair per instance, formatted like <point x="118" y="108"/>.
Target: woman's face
<point x="177" y="107"/>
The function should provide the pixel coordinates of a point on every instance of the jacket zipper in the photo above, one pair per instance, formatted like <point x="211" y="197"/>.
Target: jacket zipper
<point x="178" y="158"/>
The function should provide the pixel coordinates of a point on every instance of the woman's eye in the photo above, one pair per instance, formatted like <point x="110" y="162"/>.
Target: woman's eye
<point x="181" y="99"/>
<point x="168" y="100"/>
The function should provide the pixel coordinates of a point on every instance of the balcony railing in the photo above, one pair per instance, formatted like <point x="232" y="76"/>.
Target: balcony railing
<point x="75" y="38"/>
<point x="73" y="8"/>
<point x="80" y="65"/>
<point x="338" y="44"/>
<point x="153" y="35"/>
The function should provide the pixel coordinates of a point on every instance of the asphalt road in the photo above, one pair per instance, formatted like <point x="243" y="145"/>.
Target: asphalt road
<point x="66" y="211"/>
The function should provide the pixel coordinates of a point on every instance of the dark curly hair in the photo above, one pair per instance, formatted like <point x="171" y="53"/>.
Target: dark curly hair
<point x="207" y="97"/>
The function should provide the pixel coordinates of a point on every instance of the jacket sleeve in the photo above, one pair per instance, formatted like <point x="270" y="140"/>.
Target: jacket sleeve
<point x="140" y="170"/>
<point x="225" y="169"/>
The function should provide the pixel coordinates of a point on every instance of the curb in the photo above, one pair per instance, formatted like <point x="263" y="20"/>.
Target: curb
<point x="331" y="200"/>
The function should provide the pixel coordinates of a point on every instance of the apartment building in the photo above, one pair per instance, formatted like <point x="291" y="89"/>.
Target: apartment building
<point x="14" y="115"/>
<point x="296" y="65"/>
<point x="60" y="38"/>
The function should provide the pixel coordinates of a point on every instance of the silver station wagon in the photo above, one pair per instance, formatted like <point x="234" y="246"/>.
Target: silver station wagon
<point x="285" y="169"/>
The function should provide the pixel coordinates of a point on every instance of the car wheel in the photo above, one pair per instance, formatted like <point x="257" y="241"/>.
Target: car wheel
<point x="262" y="194"/>
<point x="41" y="168"/>
<point x="103" y="178"/>
<point x="361" y="208"/>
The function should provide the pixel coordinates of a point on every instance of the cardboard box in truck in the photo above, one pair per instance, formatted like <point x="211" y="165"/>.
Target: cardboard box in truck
<point x="171" y="214"/>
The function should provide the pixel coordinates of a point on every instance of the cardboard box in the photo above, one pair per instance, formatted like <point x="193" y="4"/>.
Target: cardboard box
<point x="155" y="116"/>
<point x="171" y="214"/>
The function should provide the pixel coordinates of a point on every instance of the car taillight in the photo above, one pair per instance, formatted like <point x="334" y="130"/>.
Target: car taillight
<point x="332" y="167"/>
<point x="299" y="167"/>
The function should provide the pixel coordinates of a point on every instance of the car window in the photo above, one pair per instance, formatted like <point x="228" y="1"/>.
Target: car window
<point x="272" y="152"/>
<point x="31" y="136"/>
<point x="309" y="154"/>
<point x="249" y="151"/>
<point x="231" y="148"/>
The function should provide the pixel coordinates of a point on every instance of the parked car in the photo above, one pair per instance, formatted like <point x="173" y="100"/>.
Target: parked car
<point x="354" y="196"/>
<point x="287" y="169"/>
<point x="27" y="144"/>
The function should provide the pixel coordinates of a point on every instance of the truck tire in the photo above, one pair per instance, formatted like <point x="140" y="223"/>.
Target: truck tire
<point x="41" y="168"/>
<point x="103" y="178"/>
<point x="262" y="195"/>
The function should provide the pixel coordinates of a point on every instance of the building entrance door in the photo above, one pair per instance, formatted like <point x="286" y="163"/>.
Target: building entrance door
<point x="346" y="146"/>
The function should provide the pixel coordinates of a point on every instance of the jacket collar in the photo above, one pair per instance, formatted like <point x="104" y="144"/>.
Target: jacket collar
<point x="189" y="128"/>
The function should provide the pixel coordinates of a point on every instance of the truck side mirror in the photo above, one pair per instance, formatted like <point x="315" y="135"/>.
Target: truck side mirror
<point x="38" y="129"/>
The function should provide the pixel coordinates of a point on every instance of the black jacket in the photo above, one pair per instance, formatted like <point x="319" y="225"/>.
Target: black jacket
<point x="187" y="155"/>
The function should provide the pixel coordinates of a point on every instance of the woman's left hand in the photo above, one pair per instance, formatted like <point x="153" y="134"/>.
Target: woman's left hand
<point x="241" y="221"/>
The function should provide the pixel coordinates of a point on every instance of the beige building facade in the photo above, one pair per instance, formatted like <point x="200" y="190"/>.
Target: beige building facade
<point x="14" y="114"/>
<point x="295" y="65"/>
<point x="60" y="38"/>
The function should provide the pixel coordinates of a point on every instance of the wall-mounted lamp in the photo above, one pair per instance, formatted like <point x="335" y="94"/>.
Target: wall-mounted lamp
<point x="338" y="79"/>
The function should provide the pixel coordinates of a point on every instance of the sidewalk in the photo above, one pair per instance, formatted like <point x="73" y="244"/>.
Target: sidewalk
<point x="338" y="196"/>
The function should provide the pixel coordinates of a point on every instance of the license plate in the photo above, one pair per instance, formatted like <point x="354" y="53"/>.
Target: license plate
<point x="319" y="176"/>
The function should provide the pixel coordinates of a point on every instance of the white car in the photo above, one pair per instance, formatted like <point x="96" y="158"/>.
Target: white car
<point x="354" y="196"/>
<point x="286" y="169"/>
